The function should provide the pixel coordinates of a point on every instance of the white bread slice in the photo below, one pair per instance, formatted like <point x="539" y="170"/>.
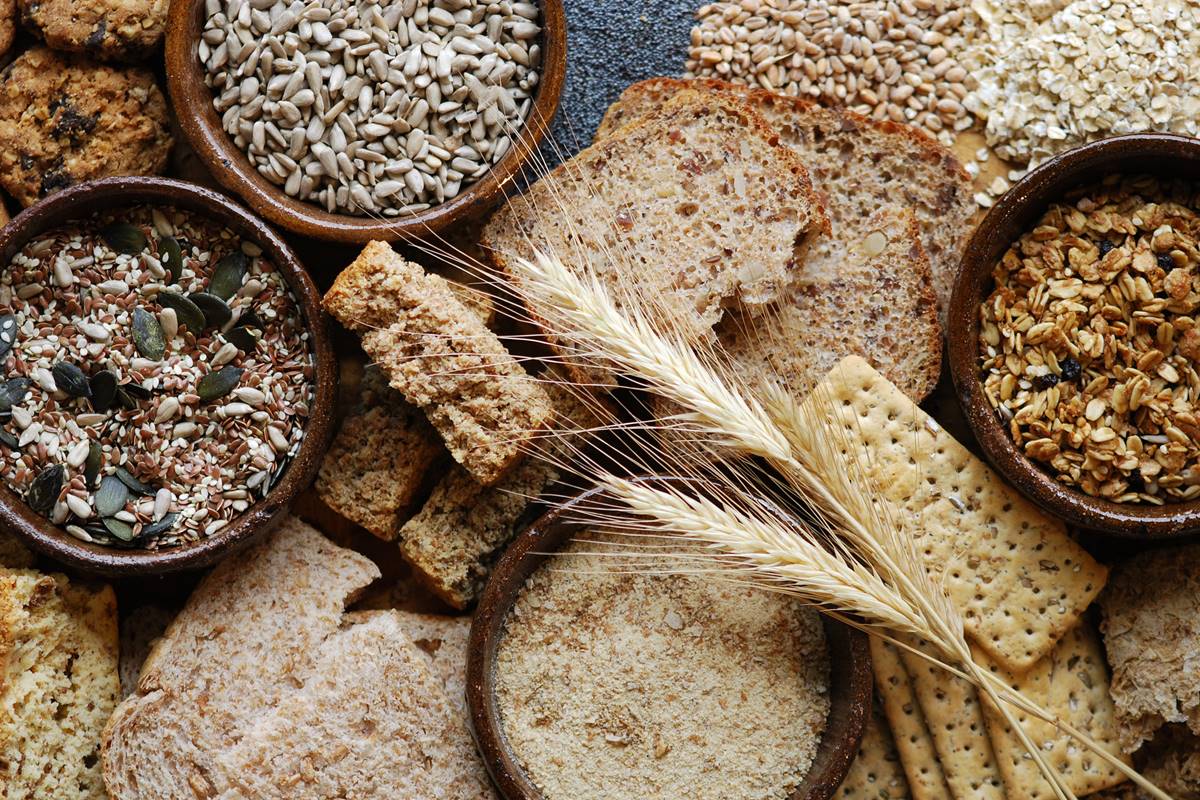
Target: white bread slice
<point x="247" y="634"/>
<point x="697" y="206"/>
<point x="858" y="165"/>
<point x="443" y="641"/>
<point x="371" y="721"/>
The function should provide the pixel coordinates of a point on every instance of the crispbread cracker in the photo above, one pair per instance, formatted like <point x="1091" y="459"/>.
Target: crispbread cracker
<point x="876" y="773"/>
<point x="1072" y="682"/>
<point x="1017" y="577"/>
<point x="955" y="719"/>
<point x="926" y="780"/>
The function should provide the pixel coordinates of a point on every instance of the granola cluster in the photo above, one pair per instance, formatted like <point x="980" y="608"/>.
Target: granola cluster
<point x="1089" y="341"/>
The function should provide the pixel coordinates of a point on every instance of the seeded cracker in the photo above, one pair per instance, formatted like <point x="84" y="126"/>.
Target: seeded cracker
<point x="876" y="773"/>
<point x="1072" y="682"/>
<point x="1018" y="579"/>
<point x="914" y="743"/>
<point x="955" y="718"/>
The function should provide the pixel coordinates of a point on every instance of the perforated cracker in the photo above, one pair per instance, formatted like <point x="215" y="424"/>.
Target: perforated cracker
<point x="914" y="743"/>
<point x="876" y="773"/>
<point x="1071" y="682"/>
<point x="1017" y="577"/>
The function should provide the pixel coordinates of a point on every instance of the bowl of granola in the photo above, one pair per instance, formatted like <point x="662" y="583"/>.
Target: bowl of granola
<point x="1074" y="336"/>
<point x="168" y="377"/>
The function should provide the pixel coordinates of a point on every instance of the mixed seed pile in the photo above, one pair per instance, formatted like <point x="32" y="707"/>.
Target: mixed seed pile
<point x="1090" y="341"/>
<point x="372" y="106"/>
<point x="157" y="377"/>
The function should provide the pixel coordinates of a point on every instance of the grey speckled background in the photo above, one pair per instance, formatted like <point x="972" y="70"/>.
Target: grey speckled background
<point x="611" y="44"/>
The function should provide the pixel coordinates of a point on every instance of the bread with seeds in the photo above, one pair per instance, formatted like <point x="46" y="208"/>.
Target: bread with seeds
<point x="442" y="358"/>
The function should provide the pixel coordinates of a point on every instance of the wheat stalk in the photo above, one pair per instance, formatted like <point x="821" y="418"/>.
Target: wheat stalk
<point x="889" y="586"/>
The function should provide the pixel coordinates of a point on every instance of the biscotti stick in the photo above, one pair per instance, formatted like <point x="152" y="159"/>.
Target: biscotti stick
<point x="914" y="743"/>
<point x="442" y="358"/>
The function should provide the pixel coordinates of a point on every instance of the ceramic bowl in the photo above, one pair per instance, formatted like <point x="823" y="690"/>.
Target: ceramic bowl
<point x="80" y="201"/>
<point x="1161" y="154"/>
<point x="193" y="104"/>
<point x="849" y="655"/>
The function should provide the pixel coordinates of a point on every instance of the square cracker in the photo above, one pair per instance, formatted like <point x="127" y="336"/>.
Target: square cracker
<point x="926" y="780"/>
<point x="1072" y="682"/>
<point x="876" y="773"/>
<point x="955" y="718"/>
<point x="1020" y="581"/>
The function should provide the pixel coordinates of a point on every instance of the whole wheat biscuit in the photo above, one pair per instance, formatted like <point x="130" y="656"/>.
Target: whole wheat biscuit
<point x="1018" y="579"/>
<point x="955" y="717"/>
<point x="876" y="773"/>
<point x="914" y="743"/>
<point x="1071" y="682"/>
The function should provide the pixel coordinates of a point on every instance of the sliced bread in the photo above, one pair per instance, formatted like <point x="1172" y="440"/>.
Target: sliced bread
<point x="246" y="636"/>
<point x="698" y="207"/>
<point x="442" y="358"/>
<point x="858" y="166"/>
<point x="371" y="721"/>
<point x="443" y="641"/>
<point x="58" y="685"/>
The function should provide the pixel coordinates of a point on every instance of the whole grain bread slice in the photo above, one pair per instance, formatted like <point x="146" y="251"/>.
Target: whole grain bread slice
<point x="698" y="206"/>
<point x="857" y="165"/>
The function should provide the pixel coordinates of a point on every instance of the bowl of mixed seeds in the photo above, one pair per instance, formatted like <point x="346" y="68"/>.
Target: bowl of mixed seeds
<point x="1075" y="336"/>
<point x="351" y="121"/>
<point x="167" y="376"/>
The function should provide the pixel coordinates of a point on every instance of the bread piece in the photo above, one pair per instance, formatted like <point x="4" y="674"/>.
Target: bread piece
<point x="58" y="643"/>
<point x="1170" y="761"/>
<point x="1151" y="627"/>
<point x="140" y="629"/>
<point x="464" y="526"/>
<point x="443" y="642"/>
<point x="370" y="721"/>
<point x="858" y="166"/>
<point x="442" y="358"/>
<point x="245" y="637"/>
<point x="877" y="303"/>
<point x="1018" y="579"/>
<point x="1072" y="683"/>
<point x="876" y="773"/>
<point x="698" y="207"/>
<point x="380" y="460"/>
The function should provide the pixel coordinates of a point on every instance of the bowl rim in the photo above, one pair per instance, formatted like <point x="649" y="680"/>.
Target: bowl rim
<point x="18" y="519"/>
<point x="192" y="102"/>
<point x="851" y="677"/>
<point x="1160" y="153"/>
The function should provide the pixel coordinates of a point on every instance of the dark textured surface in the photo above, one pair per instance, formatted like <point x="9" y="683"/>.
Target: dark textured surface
<point x="611" y="44"/>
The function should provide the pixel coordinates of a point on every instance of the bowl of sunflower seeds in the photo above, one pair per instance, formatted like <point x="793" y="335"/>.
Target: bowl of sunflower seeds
<point x="168" y="377"/>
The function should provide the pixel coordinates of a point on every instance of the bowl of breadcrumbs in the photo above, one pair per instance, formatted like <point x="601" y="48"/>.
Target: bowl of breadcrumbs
<point x="1074" y="336"/>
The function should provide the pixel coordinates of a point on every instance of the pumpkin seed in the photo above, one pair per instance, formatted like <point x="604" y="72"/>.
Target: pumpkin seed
<point x="133" y="483"/>
<point x="137" y="391"/>
<point x="171" y="256"/>
<point x="219" y="383"/>
<point x="228" y="275"/>
<point x="124" y="238"/>
<point x="91" y="467"/>
<point x="12" y="393"/>
<point x="112" y="496"/>
<point x="120" y="530"/>
<point x="216" y="312"/>
<point x="124" y="400"/>
<point x="70" y="379"/>
<point x="148" y="335"/>
<point x="43" y="492"/>
<point x="8" y="333"/>
<point x="242" y="339"/>
<point x="249" y="320"/>
<point x="189" y="315"/>
<point x="104" y="390"/>
<point x="162" y="526"/>
<point x="8" y="440"/>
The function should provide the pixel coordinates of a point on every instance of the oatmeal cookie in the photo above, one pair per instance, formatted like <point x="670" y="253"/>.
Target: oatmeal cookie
<point x="116" y="29"/>
<point x="8" y="24"/>
<point x="64" y="119"/>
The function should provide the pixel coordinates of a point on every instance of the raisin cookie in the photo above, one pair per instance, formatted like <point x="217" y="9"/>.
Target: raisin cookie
<point x="8" y="24"/>
<point x="108" y="29"/>
<point x="64" y="119"/>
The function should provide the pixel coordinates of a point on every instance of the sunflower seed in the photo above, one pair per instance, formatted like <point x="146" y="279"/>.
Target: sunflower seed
<point x="218" y="384"/>
<point x="124" y="238"/>
<point x="166" y="410"/>
<point x="78" y="454"/>
<point x="70" y="379"/>
<point x="216" y="312"/>
<point x="248" y="394"/>
<point x="112" y="496"/>
<point x="93" y="331"/>
<point x="22" y="417"/>
<point x="61" y="512"/>
<point x="79" y="533"/>
<point x="79" y="507"/>
<point x="227" y="353"/>
<point x="148" y="335"/>
<point x="188" y="314"/>
<point x="169" y="321"/>
<point x="163" y="499"/>
<point x="44" y="378"/>
<point x="43" y="492"/>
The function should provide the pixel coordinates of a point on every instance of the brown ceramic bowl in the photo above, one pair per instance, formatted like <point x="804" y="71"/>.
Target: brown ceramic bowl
<point x="849" y="655"/>
<point x="1161" y="154"/>
<point x="36" y="531"/>
<point x="201" y="124"/>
